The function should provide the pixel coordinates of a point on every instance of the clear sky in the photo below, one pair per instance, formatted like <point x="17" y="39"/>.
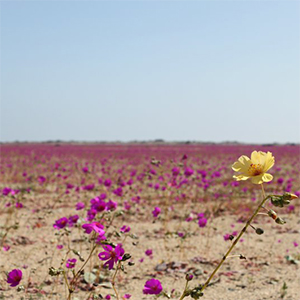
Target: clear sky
<point x="144" y="70"/>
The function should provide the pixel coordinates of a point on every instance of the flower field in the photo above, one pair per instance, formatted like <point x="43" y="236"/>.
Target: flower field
<point x="141" y="221"/>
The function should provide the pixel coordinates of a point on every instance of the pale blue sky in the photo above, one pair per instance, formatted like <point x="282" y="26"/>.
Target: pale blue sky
<point x="143" y="70"/>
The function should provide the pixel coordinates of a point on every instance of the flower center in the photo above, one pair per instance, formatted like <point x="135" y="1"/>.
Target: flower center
<point x="255" y="169"/>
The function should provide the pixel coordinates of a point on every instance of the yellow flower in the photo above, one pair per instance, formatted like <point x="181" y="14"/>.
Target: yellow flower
<point x="254" y="168"/>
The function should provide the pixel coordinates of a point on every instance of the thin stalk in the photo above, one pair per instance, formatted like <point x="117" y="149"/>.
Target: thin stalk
<point x="234" y="243"/>
<point x="67" y="283"/>
<point x="113" y="280"/>
<point x="185" y="288"/>
<point x="263" y="191"/>
<point x="79" y="271"/>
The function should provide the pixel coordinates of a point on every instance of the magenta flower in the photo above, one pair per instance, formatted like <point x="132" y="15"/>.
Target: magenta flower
<point x="149" y="252"/>
<point x="88" y="228"/>
<point x="188" y="172"/>
<point x="180" y="234"/>
<point x="111" y="205"/>
<point x="127" y="296"/>
<point x="6" y="191"/>
<point x="111" y="255"/>
<point x="152" y="287"/>
<point x="69" y="186"/>
<point x="14" y="277"/>
<point x="6" y="248"/>
<point x="91" y="214"/>
<point x="41" y="179"/>
<point x="70" y="264"/>
<point x="226" y="237"/>
<point x="118" y="191"/>
<point x="19" y="205"/>
<point x="73" y="220"/>
<point x="125" y="229"/>
<point x="89" y="187"/>
<point x="202" y="222"/>
<point x="156" y="212"/>
<point x="85" y="169"/>
<point x="15" y="192"/>
<point x="96" y="226"/>
<point x="98" y="204"/>
<point x="280" y="180"/>
<point x="107" y="182"/>
<point x="175" y="171"/>
<point x="80" y="205"/>
<point x="60" y="223"/>
<point x="101" y="237"/>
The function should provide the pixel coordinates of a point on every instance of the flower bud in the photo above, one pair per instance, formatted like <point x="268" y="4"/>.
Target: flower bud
<point x="259" y="231"/>
<point x="289" y="196"/>
<point x="283" y="200"/>
<point x="280" y="221"/>
<point x="189" y="277"/>
<point x="126" y="256"/>
<point x="272" y="214"/>
<point x="55" y="272"/>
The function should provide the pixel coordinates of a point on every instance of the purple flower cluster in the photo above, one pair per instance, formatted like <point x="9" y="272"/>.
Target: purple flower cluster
<point x="63" y="222"/>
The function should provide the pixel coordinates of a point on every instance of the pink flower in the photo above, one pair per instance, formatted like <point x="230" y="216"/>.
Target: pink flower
<point x="19" y="205"/>
<point x="111" y="205"/>
<point x="6" y="191"/>
<point x="152" y="287"/>
<point x="107" y="182"/>
<point x="96" y="226"/>
<point x="149" y="252"/>
<point x="41" y="179"/>
<point x="6" y="248"/>
<point x="73" y="220"/>
<point x="85" y="169"/>
<point x="14" y="277"/>
<point x="118" y="191"/>
<point x="70" y="264"/>
<point x="188" y="172"/>
<point x="226" y="237"/>
<point x="156" y="212"/>
<point x="111" y="255"/>
<point x="80" y="205"/>
<point x="60" y="223"/>
<point x="175" y="171"/>
<point x="125" y="229"/>
<point x="202" y="222"/>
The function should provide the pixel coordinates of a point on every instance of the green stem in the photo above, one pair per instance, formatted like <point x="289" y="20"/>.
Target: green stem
<point x="185" y="288"/>
<point x="113" y="280"/>
<point x="234" y="243"/>
<point x="79" y="271"/>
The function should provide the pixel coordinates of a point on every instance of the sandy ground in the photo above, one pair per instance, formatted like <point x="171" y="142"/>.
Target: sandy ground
<point x="261" y="275"/>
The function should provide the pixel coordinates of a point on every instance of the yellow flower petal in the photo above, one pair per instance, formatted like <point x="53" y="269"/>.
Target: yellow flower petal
<point x="269" y="163"/>
<point x="242" y="164"/>
<point x="240" y="177"/>
<point x="256" y="157"/>
<point x="267" y="177"/>
<point x="257" y="179"/>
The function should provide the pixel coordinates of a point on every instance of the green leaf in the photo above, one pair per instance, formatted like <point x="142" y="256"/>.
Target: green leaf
<point x="89" y="277"/>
